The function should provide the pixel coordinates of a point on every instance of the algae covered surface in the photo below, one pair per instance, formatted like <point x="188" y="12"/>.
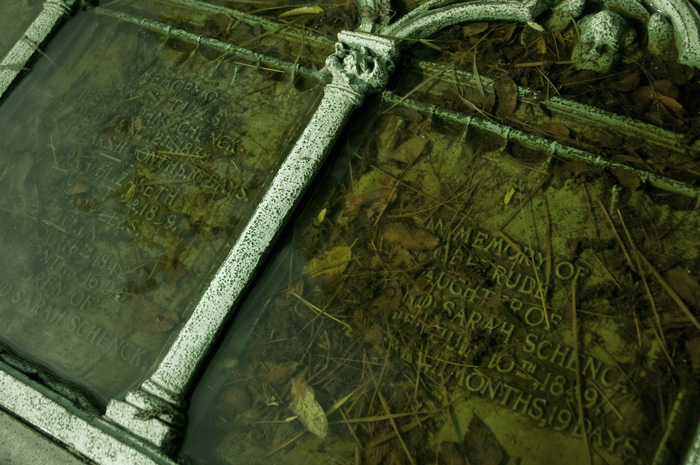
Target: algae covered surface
<point x="449" y="302"/>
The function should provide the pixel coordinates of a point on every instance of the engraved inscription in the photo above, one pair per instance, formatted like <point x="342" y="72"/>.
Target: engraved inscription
<point x="127" y="177"/>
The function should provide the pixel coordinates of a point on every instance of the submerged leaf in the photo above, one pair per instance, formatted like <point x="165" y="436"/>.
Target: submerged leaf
<point x="281" y="372"/>
<point x="556" y="130"/>
<point x="474" y="28"/>
<point x="629" y="180"/>
<point x="375" y="201"/>
<point x="306" y="408"/>
<point x="481" y="445"/>
<point x="509" y="195"/>
<point x="685" y="285"/>
<point x="535" y="26"/>
<point x="304" y="10"/>
<point x="451" y="453"/>
<point x="334" y="261"/>
<point x="693" y="348"/>
<point x="22" y="167"/>
<point x="507" y="93"/>
<point x="409" y="150"/>
<point x="77" y="189"/>
<point x="410" y="237"/>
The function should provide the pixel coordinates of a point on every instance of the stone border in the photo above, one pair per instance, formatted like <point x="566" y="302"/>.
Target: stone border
<point x="90" y="435"/>
<point x="596" y="117"/>
<point x="553" y="148"/>
<point x="170" y="31"/>
<point x="361" y="65"/>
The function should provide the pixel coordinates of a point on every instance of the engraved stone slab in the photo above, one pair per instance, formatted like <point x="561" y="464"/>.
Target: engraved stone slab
<point x="129" y="166"/>
<point x="446" y="300"/>
<point x="14" y="19"/>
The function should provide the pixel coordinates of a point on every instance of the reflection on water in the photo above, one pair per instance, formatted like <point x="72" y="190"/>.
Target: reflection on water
<point x="15" y="17"/>
<point x="130" y="164"/>
<point x="444" y="302"/>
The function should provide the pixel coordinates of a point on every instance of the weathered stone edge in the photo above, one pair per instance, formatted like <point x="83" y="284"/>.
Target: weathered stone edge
<point x="89" y="435"/>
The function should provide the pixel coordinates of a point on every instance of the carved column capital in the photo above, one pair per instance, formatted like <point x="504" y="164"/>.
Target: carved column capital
<point x="361" y="64"/>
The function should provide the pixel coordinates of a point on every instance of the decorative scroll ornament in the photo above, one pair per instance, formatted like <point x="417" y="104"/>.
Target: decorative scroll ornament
<point x="607" y="33"/>
<point x="603" y="37"/>
<point x="613" y="28"/>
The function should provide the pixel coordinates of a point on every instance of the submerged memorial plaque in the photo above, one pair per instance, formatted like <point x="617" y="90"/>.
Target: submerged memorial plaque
<point x="131" y="162"/>
<point x="449" y="303"/>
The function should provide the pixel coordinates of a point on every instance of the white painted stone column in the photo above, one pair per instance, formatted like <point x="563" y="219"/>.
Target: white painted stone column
<point x="361" y="65"/>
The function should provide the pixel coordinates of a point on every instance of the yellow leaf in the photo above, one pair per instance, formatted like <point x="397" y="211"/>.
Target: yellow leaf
<point x="509" y="195"/>
<point x="304" y="10"/>
<point x="130" y="192"/>
<point x="535" y="26"/>
<point x="334" y="261"/>
<point x="321" y="216"/>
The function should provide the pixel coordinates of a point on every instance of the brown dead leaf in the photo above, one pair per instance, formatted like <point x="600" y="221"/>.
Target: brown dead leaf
<point x="21" y="170"/>
<point x="505" y="34"/>
<point x="375" y="454"/>
<point x="77" y="189"/>
<point x="675" y="109"/>
<point x="476" y="101"/>
<point x="572" y="169"/>
<point x="626" y="82"/>
<point x="666" y="87"/>
<point x="541" y="46"/>
<point x="406" y="114"/>
<point x="387" y="302"/>
<point x="474" y="28"/>
<point x="656" y="106"/>
<point x="693" y="348"/>
<point x="451" y="453"/>
<point x="410" y="237"/>
<point x="685" y="285"/>
<point x="643" y="97"/>
<point x="234" y="401"/>
<point x="373" y="336"/>
<point x="173" y="270"/>
<point x="410" y="150"/>
<point x="481" y="445"/>
<point x="572" y="245"/>
<point x="507" y="94"/>
<point x="420" y="286"/>
<point x="374" y="200"/>
<point x="281" y="372"/>
<point x="626" y="179"/>
<point x="555" y="130"/>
